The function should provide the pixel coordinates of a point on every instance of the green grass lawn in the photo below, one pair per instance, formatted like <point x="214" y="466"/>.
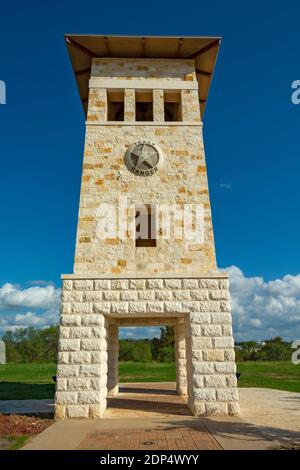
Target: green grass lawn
<point x="29" y="381"/>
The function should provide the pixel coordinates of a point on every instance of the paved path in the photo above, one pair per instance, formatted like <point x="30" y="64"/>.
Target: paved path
<point x="151" y="416"/>
<point x="26" y="407"/>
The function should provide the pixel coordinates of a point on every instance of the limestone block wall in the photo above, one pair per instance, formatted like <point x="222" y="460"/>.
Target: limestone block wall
<point x="181" y="180"/>
<point x="89" y="305"/>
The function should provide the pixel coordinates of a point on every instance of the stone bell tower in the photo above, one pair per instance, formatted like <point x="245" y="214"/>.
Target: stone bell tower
<point x="144" y="99"/>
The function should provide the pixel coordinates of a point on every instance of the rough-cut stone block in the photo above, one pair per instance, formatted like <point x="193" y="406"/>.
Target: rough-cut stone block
<point x="80" y="332"/>
<point x="88" y="397"/>
<point x="70" y="320"/>
<point x="227" y="394"/>
<point x="120" y="284"/>
<point x="90" y="370"/>
<point x="200" y="318"/>
<point x="146" y="295"/>
<point x="173" y="307"/>
<point x="81" y="357"/>
<point x="111" y="295"/>
<point x="211" y="330"/>
<point x="215" y="381"/>
<point x="224" y="342"/>
<point x="190" y="283"/>
<point x="102" y="307"/>
<point x="181" y="295"/>
<point x="78" y="384"/>
<point x="172" y="284"/>
<point x="130" y="295"/>
<point x="155" y="307"/>
<point x="208" y="283"/>
<point x="154" y="284"/>
<point x="199" y="295"/>
<point x="77" y="411"/>
<point x="68" y="345"/>
<point x="102" y="284"/>
<point x="137" y="284"/>
<point x="225" y="367"/>
<point x="136" y="307"/>
<point x="205" y="394"/>
<point x="203" y="368"/>
<point x="216" y="409"/>
<point x="67" y="285"/>
<point x="67" y="370"/>
<point x="221" y="318"/>
<point x="89" y="344"/>
<point x="83" y="285"/>
<point x="213" y="355"/>
<point x="66" y="397"/>
<point x="163" y="295"/>
<point x="81" y="308"/>
<point x="201" y="342"/>
<point x="92" y="296"/>
<point x="233" y="409"/>
<point x="119" y="307"/>
<point x="91" y="320"/>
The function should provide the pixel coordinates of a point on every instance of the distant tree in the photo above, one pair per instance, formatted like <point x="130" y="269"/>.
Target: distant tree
<point x="166" y="354"/>
<point x="31" y="345"/>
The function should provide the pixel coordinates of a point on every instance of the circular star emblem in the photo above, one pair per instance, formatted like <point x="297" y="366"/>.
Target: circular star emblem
<point x="143" y="158"/>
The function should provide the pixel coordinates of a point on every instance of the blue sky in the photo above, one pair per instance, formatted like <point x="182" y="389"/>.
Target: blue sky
<point x="251" y="131"/>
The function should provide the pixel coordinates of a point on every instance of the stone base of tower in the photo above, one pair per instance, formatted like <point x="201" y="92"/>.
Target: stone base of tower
<point x="93" y="310"/>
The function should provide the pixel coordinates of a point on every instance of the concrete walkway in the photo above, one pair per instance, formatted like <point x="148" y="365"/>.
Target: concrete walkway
<point x="26" y="407"/>
<point x="151" y="416"/>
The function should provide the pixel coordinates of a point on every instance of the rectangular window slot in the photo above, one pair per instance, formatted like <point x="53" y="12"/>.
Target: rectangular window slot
<point x="144" y="105"/>
<point x="145" y="227"/>
<point x="172" y="106"/>
<point x="115" y="105"/>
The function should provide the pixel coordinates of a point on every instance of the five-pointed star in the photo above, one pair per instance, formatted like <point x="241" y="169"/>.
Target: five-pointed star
<point x="145" y="156"/>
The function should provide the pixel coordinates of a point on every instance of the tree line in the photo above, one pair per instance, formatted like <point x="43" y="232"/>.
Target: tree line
<point x="35" y="345"/>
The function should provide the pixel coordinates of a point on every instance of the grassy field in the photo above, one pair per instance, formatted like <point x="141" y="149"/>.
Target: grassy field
<point x="24" y="381"/>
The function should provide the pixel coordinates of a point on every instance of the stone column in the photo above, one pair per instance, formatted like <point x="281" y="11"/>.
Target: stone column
<point x="97" y="108"/>
<point x="113" y="359"/>
<point x="190" y="107"/>
<point x="129" y="104"/>
<point x="212" y="388"/>
<point x="180" y="358"/>
<point x="158" y="105"/>
<point x="82" y="354"/>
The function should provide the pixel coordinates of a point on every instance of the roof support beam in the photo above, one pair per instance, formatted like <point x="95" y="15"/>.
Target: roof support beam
<point x="143" y="47"/>
<point x="107" y="46"/>
<point x="84" y="49"/>
<point x="206" y="48"/>
<point x="203" y="72"/>
<point x="178" y="52"/>
<point x="78" y="73"/>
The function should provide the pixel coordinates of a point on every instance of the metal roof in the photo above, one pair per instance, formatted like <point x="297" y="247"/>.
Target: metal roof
<point x="82" y="48"/>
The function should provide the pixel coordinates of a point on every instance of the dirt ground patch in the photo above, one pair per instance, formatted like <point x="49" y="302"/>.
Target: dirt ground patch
<point x="15" y="430"/>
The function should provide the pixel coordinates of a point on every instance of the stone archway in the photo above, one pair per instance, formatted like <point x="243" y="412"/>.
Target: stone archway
<point x="161" y="396"/>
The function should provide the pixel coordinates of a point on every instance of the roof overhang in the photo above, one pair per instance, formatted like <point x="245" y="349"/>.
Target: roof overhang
<point x="82" y="48"/>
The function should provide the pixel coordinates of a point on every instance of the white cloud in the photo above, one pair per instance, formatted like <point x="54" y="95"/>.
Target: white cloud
<point x="262" y="309"/>
<point x="14" y="302"/>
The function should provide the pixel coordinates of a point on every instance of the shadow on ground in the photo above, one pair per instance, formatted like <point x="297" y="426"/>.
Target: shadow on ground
<point x="145" y="391"/>
<point x="26" y="391"/>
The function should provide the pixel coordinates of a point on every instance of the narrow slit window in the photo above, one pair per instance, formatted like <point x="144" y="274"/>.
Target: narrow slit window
<point x="172" y="106"/>
<point x="115" y="105"/>
<point x="145" y="228"/>
<point x="144" y="105"/>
